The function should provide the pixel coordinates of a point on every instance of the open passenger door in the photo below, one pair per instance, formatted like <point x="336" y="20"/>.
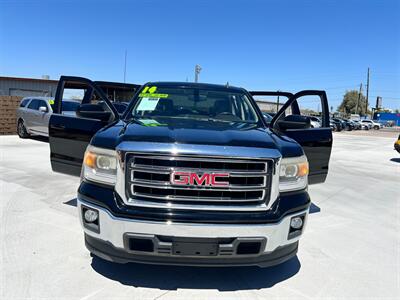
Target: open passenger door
<point x="291" y="121"/>
<point x="70" y="134"/>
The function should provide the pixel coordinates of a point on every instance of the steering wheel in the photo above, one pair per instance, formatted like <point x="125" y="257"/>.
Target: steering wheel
<point x="228" y="116"/>
<point x="182" y="111"/>
<point x="226" y="113"/>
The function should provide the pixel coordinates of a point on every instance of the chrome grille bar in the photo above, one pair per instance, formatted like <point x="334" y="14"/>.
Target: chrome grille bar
<point x="149" y="183"/>
<point x="167" y="185"/>
<point x="192" y="199"/>
<point x="161" y="170"/>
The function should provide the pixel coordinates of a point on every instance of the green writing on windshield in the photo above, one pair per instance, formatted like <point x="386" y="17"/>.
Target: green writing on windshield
<point x="153" y="95"/>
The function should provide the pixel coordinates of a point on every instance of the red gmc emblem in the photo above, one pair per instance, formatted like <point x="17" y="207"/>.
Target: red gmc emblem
<point x="206" y="179"/>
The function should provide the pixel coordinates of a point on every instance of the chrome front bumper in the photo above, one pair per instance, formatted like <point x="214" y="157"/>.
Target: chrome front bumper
<point x="113" y="232"/>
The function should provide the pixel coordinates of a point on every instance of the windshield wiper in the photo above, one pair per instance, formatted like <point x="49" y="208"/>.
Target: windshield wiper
<point x="207" y="119"/>
<point x="231" y="121"/>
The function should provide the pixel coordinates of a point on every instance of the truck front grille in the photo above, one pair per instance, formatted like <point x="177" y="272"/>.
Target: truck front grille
<point x="149" y="184"/>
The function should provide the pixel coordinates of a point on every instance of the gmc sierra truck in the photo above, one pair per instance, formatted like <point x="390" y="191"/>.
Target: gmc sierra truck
<point x="190" y="174"/>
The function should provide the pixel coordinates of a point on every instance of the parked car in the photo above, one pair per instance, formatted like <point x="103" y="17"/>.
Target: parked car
<point x="351" y="124"/>
<point x="346" y="125"/>
<point x="397" y="144"/>
<point x="33" y="115"/>
<point x="342" y="123"/>
<point x="361" y="125"/>
<point x="356" y="126"/>
<point x="372" y="124"/>
<point x="383" y="123"/>
<point x="191" y="174"/>
<point x="315" y="122"/>
<point x="333" y="126"/>
<point x="338" y="124"/>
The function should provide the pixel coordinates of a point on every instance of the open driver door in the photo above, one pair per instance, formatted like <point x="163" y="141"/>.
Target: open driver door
<point x="70" y="134"/>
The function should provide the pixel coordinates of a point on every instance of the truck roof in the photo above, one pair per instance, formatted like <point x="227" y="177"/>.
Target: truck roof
<point x="196" y="85"/>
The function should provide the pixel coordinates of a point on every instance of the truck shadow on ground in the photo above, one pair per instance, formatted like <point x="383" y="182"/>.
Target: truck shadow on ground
<point x="39" y="138"/>
<point x="173" y="277"/>
<point x="72" y="202"/>
<point x="314" y="208"/>
<point x="395" y="159"/>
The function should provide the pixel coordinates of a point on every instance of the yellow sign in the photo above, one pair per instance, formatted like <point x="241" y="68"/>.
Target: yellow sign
<point x="150" y="90"/>
<point x="148" y="95"/>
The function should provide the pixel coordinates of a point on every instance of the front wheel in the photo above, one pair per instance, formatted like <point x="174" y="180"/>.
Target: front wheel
<point x="21" y="130"/>
<point x="376" y="127"/>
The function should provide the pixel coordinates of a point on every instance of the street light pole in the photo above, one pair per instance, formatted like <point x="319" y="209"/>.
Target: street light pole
<point x="197" y="70"/>
<point x="126" y="53"/>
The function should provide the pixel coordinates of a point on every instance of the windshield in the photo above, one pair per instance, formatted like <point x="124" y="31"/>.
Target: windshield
<point x="194" y="104"/>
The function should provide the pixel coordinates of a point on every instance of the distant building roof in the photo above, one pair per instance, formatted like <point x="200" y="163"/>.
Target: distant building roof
<point x="28" y="79"/>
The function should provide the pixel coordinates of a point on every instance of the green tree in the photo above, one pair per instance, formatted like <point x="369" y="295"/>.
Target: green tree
<point x="349" y="103"/>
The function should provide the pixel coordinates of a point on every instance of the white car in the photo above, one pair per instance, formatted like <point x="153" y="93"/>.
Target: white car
<point x="33" y="115"/>
<point x="362" y="126"/>
<point x="372" y="124"/>
<point x="315" y="122"/>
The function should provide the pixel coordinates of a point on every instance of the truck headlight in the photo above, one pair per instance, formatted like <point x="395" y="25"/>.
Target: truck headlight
<point x="293" y="174"/>
<point x="100" y="165"/>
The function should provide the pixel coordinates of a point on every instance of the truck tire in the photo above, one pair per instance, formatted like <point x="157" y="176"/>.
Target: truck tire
<point x="376" y="127"/>
<point x="21" y="130"/>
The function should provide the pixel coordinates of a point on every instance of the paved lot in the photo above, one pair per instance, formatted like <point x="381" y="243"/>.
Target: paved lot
<point x="351" y="247"/>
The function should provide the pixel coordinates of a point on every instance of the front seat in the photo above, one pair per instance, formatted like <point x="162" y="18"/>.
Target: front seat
<point x="221" y="106"/>
<point x="165" y="107"/>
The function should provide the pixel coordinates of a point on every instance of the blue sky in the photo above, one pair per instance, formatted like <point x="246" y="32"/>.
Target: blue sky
<point x="275" y="45"/>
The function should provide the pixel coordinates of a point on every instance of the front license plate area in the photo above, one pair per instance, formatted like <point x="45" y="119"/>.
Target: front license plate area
<point x="194" y="249"/>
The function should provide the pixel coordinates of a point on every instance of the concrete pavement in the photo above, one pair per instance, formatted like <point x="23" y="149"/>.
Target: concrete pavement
<point x="351" y="248"/>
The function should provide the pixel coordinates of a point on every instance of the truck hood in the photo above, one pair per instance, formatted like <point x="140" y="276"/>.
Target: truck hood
<point x="196" y="133"/>
<point x="209" y="133"/>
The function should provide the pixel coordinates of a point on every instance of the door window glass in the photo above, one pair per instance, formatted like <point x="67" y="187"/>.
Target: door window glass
<point x="24" y="102"/>
<point x="309" y="106"/>
<point x="44" y="104"/>
<point x="270" y="104"/>
<point x="77" y="94"/>
<point x="34" y="104"/>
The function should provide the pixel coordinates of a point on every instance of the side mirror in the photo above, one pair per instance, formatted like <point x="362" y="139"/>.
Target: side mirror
<point x="294" y="122"/>
<point x="43" y="109"/>
<point x="93" y="111"/>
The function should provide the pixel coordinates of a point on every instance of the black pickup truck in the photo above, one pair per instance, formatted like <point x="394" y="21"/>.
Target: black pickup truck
<point x="190" y="174"/>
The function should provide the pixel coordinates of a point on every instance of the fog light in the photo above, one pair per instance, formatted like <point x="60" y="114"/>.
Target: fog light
<point x="91" y="215"/>
<point x="296" y="222"/>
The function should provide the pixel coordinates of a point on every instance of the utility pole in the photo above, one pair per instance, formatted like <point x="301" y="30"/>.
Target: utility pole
<point x="125" y="66"/>
<point x="366" y="107"/>
<point x="197" y="70"/>
<point x="277" y="104"/>
<point x="359" y="97"/>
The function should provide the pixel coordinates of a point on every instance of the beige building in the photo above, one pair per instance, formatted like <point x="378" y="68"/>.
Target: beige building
<point x="268" y="106"/>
